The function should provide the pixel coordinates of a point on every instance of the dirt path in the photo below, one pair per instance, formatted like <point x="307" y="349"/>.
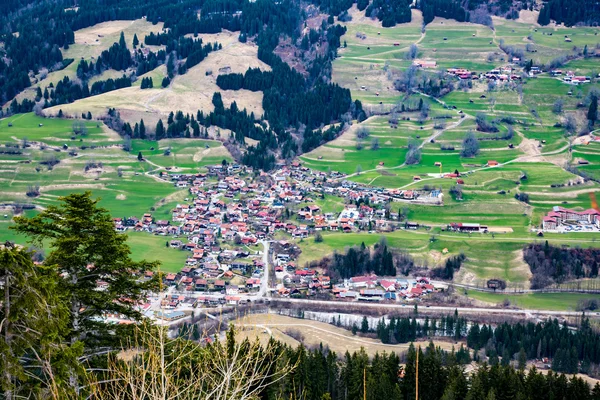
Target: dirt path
<point x="433" y="136"/>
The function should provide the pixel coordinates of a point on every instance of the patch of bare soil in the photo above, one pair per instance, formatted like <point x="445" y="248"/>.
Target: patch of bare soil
<point x="500" y="229"/>
<point x="528" y="17"/>
<point x="530" y="147"/>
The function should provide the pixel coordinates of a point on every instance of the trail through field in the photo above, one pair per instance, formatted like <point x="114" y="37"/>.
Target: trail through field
<point x="433" y="137"/>
<point x="151" y="99"/>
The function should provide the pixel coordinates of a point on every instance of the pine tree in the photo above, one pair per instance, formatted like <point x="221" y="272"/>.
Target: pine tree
<point x="135" y="40"/>
<point x="84" y="248"/>
<point x="122" y="41"/>
<point x="364" y="327"/>
<point x="160" y="130"/>
<point x="142" y="130"/>
<point x="592" y="114"/>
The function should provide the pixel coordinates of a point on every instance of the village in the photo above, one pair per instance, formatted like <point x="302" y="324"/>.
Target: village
<point x="229" y="216"/>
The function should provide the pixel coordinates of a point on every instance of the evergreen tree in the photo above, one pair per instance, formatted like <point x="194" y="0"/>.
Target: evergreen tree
<point x="364" y="327"/>
<point x="142" y="130"/>
<point x="33" y="315"/>
<point x="592" y="114"/>
<point x="160" y="130"/>
<point x="122" y="40"/>
<point x="85" y="248"/>
<point x="135" y="40"/>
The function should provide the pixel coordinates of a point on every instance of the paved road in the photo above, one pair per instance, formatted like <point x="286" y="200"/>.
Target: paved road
<point x="264" y="283"/>
<point x="423" y="309"/>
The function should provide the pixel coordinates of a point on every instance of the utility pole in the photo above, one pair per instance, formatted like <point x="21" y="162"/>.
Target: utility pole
<point x="365" y="384"/>
<point x="417" y="375"/>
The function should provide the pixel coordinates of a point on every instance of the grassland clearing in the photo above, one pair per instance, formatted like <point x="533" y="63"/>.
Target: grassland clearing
<point x="189" y="93"/>
<point x="315" y="333"/>
<point x="535" y="301"/>
<point x="124" y="184"/>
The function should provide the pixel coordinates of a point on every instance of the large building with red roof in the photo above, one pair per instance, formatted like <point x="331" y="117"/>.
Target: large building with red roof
<point x="565" y="216"/>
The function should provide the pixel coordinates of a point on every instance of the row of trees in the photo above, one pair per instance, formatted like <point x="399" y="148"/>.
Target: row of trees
<point x="451" y="9"/>
<point x="407" y="329"/>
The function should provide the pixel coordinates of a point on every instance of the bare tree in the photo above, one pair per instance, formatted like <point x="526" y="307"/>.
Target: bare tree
<point x="407" y="79"/>
<point x="570" y="124"/>
<point x="362" y="132"/>
<point x="161" y="368"/>
<point x="79" y="128"/>
<point x="375" y="144"/>
<point x="127" y="143"/>
<point x="413" y="50"/>
<point x="470" y="145"/>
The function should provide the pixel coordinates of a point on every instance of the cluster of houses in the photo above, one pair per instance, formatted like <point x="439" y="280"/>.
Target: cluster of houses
<point x="226" y="214"/>
<point x="565" y="219"/>
<point x="462" y="73"/>
<point x="371" y="288"/>
<point x="295" y="281"/>
<point x="502" y="74"/>
<point x="570" y="77"/>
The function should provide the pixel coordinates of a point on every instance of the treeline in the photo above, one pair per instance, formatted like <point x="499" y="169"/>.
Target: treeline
<point x="569" y="12"/>
<point x="360" y="260"/>
<point x="551" y="264"/>
<point x="109" y="85"/>
<point x="333" y="7"/>
<point x="406" y="329"/>
<point x="319" y="376"/>
<point x="118" y="57"/>
<point x="451" y="9"/>
<point x="254" y="79"/>
<point x="570" y="351"/>
<point x="390" y="12"/>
